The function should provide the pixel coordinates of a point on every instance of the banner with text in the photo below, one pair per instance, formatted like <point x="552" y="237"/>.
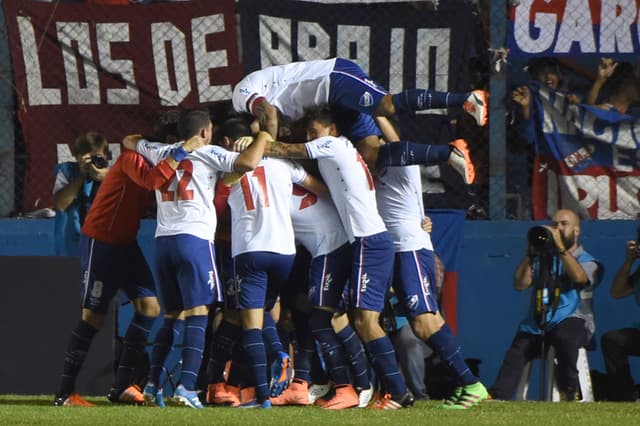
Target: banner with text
<point x="113" y="69"/>
<point x="573" y="27"/>
<point x="400" y="46"/>
<point x="587" y="159"/>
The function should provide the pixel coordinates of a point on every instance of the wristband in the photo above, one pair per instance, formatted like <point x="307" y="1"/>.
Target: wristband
<point x="178" y="153"/>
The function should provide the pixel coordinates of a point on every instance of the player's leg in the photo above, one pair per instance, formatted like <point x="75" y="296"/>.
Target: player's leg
<point x="414" y="277"/>
<point x="137" y="283"/>
<point x="370" y="280"/>
<point x="95" y="301"/>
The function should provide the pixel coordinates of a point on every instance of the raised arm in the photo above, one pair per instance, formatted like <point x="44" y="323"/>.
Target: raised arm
<point x="622" y="285"/>
<point x="249" y="159"/>
<point x="267" y="116"/>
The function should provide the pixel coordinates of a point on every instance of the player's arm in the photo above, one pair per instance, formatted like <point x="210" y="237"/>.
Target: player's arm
<point x="172" y="161"/>
<point x="249" y="159"/>
<point x="267" y="116"/>
<point x="286" y="150"/>
<point x="315" y="185"/>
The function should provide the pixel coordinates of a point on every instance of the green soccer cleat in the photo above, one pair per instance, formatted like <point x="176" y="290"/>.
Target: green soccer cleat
<point x="470" y="395"/>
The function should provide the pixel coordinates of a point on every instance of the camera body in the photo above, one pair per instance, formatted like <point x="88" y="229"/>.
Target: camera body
<point x="99" y="161"/>
<point x="541" y="242"/>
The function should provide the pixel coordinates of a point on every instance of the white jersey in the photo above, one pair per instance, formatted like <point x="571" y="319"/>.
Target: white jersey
<point x="185" y="203"/>
<point x="260" y="208"/>
<point x="350" y="184"/>
<point x="291" y="88"/>
<point x="399" y="194"/>
<point x="316" y="223"/>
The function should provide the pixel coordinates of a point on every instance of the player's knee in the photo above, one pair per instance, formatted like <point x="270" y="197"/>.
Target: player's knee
<point x="93" y="318"/>
<point x="147" y="306"/>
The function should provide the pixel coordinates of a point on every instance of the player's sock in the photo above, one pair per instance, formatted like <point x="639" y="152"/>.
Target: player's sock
<point x="134" y="343"/>
<point x="444" y="343"/>
<point x="254" y="348"/>
<point x="238" y="373"/>
<point x="405" y="153"/>
<point x="77" y="349"/>
<point x="221" y="348"/>
<point x="332" y="349"/>
<point x="193" y="346"/>
<point x="304" y="347"/>
<point x="162" y="345"/>
<point x="284" y="337"/>
<point x="272" y="343"/>
<point x="383" y="358"/>
<point x="420" y="99"/>
<point x="356" y="356"/>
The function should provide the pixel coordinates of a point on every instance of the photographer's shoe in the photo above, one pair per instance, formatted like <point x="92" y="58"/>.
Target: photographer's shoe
<point x="471" y="395"/>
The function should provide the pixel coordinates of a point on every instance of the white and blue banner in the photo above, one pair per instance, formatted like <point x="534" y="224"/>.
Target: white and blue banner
<point x="587" y="158"/>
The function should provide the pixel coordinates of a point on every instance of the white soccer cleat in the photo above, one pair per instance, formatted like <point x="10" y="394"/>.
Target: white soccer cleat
<point x="318" y="391"/>
<point x="477" y="105"/>
<point x="460" y="160"/>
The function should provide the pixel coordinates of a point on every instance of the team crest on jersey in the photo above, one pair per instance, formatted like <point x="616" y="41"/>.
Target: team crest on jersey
<point x="366" y="100"/>
<point x="412" y="302"/>
<point x="364" y="281"/>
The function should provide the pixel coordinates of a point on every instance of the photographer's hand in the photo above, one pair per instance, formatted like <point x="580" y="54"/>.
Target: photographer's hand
<point x="523" y="276"/>
<point x="96" y="174"/>
<point x="622" y="286"/>
<point x="557" y="239"/>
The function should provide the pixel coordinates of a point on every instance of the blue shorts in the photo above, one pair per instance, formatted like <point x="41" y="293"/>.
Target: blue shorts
<point x="413" y="278"/>
<point x="371" y="271"/>
<point x="297" y="283"/>
<point x="225" y="269"/>
<point x="261" y="275"/>
<point x="107" y="268"/>
<point x="186" y="272"/>
<point x="328" y="276"/>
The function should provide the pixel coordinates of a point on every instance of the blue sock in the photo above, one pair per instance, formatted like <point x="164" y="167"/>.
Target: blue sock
<point x="420" y="99"/>
<point x="134" y="343"/>
<point x="178" y="335"/>
<point x="332" y="349"/>
<point x="383" y="358"/>
<point x="162" y="346"/>
<point x="304" y="346"/>
<point x="240" y="372"/>
<point x="405" y="153"/>
<point x="272" y="343"/>
<point x="444" y="343"/>
<point x="356" y="356"/>
<point x="224" y="339"/>
<point x="77" y="349"/>
<point x="254" y="348"/>
<point x="192" y="349"/>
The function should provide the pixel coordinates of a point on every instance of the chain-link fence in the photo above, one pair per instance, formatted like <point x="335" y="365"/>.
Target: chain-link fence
<point x="129" y="69"/>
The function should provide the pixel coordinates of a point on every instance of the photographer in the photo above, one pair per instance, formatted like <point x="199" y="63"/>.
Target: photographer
<point x="76" y="185"/>
<point x="567" y="322"/>
<point x="618" y="345"/>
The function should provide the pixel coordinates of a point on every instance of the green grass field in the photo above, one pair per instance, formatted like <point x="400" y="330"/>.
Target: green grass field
<point x="34" y="410"/>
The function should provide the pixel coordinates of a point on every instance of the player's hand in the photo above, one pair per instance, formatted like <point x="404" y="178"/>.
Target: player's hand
<point x="193" y="143"/>
<point x="427" y="225"/>
<point x="242" y="143"/>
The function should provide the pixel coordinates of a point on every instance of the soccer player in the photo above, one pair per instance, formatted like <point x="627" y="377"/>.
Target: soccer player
<point x="185" y="264"/>
<point x="352" y="189"/>
<point x="399" y="195"/>
<point x="260" y="205"/>
<point x="293" y="88"/>
<point x="111" y="260"/>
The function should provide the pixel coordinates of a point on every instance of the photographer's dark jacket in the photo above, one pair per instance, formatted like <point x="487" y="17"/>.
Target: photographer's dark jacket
<point x="573" y="303"/>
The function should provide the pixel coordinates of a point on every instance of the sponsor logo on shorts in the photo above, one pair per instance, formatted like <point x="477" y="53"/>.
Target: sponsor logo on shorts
<point x="327" y="282"/>
<point x="212" y="281"/>
<point x="412" y="302"/>
<point x="366" y="100"/>
<point x="426" y="288"/>
<point x="364" y="281"/>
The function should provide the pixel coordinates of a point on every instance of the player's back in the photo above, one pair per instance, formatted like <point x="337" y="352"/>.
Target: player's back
<point x="114" y="216"/>
<point x="316" y="222"/>
<point x="399" y="196"/>
<point x="260" y="208"/>
<point x="185" y="203"/>
<point x="350" y="183"/>
<point x="291" y="88"/>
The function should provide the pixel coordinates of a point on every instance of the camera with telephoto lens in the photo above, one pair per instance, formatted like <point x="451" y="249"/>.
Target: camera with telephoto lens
<point x="99" y="161"/>
<point x="541" y="241"/>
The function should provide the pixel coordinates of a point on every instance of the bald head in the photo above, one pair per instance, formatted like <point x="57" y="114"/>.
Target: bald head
<point x="568" y="223"/>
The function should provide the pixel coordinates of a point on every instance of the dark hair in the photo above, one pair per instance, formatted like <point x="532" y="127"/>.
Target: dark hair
<point x="322" y="114"/>
<point x="89" y="142"/>
<point x="192" y="121"/>
<point x="622" y="82"/>
<point x="233" y="128"/>
<point x="538" y="65"/>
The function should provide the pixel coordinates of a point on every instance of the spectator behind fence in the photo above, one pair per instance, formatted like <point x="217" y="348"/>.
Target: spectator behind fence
<point x="616" y="88"/>
<point x="76" y="184"/>
<point x="567" y="322"/>
<point x="618" y="345"/>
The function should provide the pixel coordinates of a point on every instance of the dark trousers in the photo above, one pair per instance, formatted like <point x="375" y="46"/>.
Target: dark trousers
<point x="617" y="346"/>
<point x="567" y="337"/>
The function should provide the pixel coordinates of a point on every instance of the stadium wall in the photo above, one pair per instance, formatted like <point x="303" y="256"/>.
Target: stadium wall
<point x="488" y="308"/>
